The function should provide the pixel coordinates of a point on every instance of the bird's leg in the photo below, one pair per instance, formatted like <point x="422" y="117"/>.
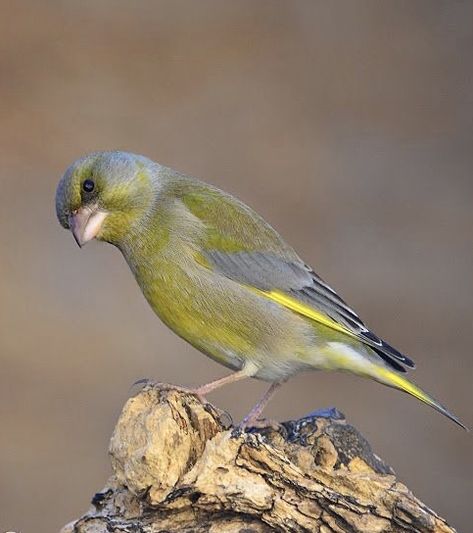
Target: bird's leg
<point x="203" y="390"/>
<point x="251" y="419"/>
<point x="246" y="372"/>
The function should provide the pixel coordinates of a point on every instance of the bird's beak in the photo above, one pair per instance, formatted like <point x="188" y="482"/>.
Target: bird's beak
<point x="85" y="223"/>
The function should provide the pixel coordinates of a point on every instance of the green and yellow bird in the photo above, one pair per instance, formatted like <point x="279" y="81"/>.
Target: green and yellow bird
<point x="221" y="277"/>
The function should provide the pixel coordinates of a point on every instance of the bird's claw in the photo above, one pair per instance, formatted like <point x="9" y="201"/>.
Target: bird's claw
<point x="146" y="382"/>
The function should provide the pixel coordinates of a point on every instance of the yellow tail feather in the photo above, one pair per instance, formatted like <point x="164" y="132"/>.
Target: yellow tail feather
<point x="343" y="361"/>
<point x="393" y="379"/>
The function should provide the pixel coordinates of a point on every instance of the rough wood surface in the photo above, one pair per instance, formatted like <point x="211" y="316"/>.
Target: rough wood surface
<point x="179" y="466"/>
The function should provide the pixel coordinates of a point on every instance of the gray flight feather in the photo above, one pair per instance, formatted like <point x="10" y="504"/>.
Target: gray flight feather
<point x="267" y="271"/>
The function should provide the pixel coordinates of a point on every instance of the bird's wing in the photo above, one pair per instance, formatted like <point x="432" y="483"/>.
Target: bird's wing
<point x="242" y="246"/>
<point x="296" y="286"/>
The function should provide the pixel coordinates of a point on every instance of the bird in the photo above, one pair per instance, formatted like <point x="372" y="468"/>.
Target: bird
<point x="219" y="276"/>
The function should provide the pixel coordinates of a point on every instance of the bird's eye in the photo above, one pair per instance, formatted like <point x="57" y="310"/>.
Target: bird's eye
<point x="88" y="186"/>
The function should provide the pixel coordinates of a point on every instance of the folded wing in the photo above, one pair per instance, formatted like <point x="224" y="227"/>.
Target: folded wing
<point x="296" y="286"/>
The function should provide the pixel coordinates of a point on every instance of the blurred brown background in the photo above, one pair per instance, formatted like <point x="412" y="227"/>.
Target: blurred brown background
<point x="347" y="124"/>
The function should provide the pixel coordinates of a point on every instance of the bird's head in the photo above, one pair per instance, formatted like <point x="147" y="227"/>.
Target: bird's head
<point x="103" y="195"/>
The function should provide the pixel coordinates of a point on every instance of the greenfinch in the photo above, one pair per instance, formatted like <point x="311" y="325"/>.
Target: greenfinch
<point x="221" y="277"/>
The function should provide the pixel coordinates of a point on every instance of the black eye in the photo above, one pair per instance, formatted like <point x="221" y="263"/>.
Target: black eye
<point x="88" y="185"/>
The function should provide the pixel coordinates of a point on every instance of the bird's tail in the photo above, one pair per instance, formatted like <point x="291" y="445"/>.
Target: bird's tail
<point x="342" y="357"/>
<point x="394" y="379"/>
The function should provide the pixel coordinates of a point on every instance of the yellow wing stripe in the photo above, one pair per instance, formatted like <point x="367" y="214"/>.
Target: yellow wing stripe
<point x="379" y="372"/>
<point x="305" y="310"/>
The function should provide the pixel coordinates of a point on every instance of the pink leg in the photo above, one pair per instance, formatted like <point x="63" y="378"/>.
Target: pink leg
<point x="213" y="385"/>
<point x="252" y="417"/>
<point x="201" y="391"/>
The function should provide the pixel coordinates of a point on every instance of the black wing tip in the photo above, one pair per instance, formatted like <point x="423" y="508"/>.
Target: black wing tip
<point x="398" y="355"/>
<point x="390" y="355"/>
<point x="387" y="352"/>
<point x="393" y="358"/>
<point x="393" y="363"/>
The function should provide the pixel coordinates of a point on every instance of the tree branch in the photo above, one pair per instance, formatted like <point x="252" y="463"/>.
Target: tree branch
<point x="179" y="466"/>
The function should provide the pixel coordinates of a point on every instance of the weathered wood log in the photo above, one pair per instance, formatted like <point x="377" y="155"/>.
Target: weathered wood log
<point x="179" y="466"/>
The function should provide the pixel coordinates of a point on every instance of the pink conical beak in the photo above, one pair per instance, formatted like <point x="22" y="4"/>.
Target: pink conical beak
<point x="85" y="224"/>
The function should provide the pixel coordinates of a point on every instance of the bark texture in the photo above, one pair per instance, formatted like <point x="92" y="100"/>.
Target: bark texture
<point x="179" y="466"/>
